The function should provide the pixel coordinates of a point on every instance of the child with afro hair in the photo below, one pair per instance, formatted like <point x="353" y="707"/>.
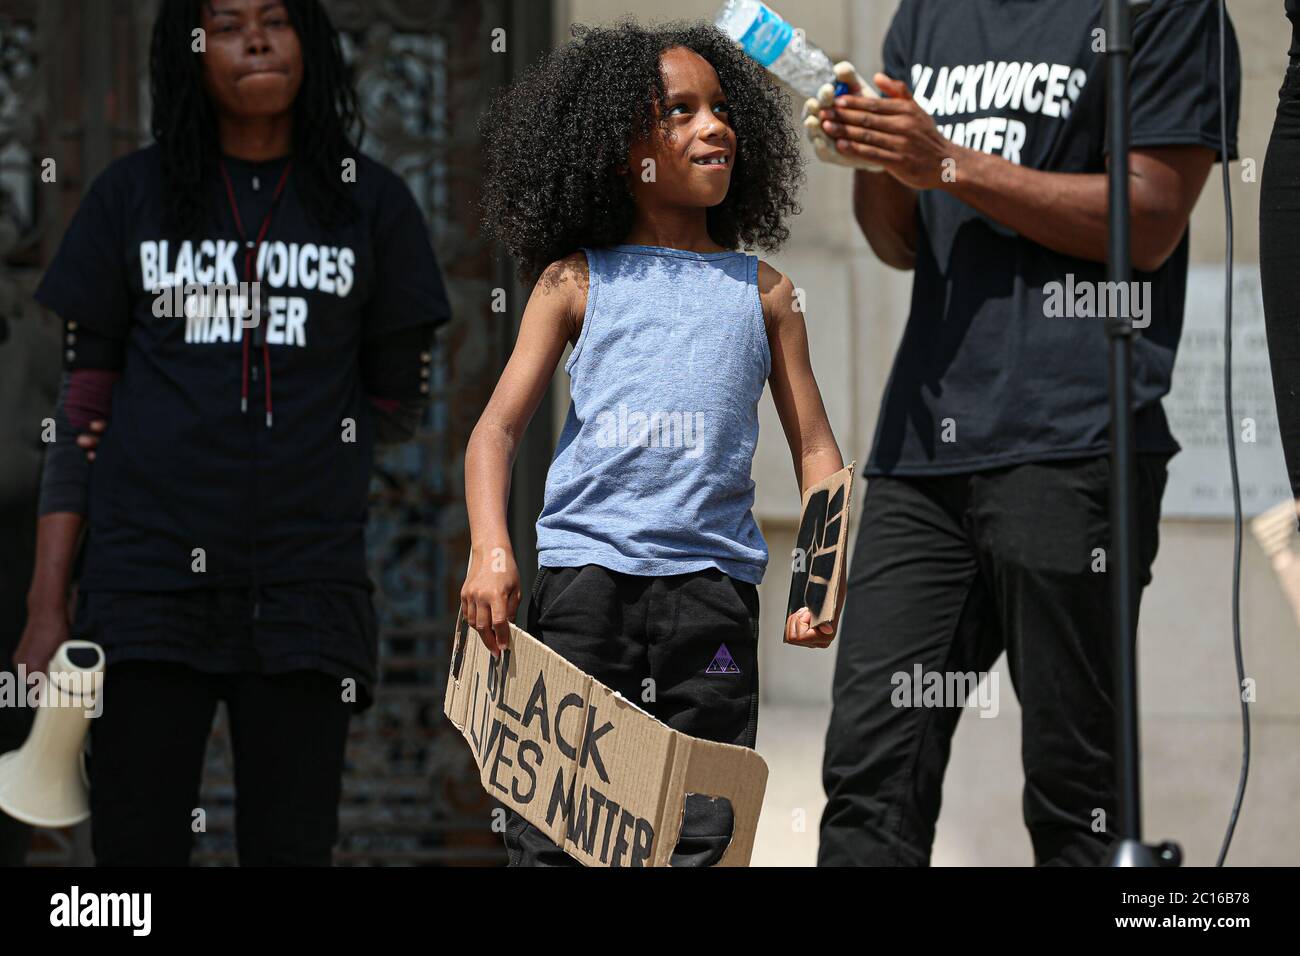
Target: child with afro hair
<point x="625" y="172"/>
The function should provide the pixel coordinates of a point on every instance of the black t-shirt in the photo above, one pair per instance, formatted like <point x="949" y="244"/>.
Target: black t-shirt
<point x="984" y="377"/>
<point x="181" y="467"/>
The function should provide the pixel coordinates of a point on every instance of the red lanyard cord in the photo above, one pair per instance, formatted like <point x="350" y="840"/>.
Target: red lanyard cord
<point x="250" y="262"/>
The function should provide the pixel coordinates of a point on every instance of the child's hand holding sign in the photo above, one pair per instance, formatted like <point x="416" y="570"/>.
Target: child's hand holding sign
<point x="817" y="589"/>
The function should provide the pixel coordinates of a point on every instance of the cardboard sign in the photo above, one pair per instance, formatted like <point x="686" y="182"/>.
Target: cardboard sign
<point x="601" y="777"/>
<point x="821" y="546"/>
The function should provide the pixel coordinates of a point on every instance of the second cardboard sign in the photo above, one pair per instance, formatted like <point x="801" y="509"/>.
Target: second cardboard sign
<point x="819" y="555"/>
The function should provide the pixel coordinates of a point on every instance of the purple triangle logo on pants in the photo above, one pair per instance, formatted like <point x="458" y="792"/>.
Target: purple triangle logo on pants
<point x="722" y="662"/>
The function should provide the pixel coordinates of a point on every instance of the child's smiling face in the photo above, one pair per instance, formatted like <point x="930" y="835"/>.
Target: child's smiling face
<point x="694" y="156"/>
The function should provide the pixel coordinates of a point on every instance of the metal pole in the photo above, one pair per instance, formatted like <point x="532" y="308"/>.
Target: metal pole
<point x="1128" y="849"/>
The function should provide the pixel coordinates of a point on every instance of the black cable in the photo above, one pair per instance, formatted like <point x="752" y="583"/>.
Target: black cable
<point x="1232" y="434"/>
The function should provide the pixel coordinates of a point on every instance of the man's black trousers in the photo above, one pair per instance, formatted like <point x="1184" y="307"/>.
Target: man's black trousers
<point x="948" y="573"/>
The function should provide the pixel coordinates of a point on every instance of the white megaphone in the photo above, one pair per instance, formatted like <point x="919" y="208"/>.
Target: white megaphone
<point x="43" y="782"/>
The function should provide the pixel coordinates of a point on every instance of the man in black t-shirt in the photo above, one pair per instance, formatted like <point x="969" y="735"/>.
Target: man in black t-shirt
<point x="985" y="524"/>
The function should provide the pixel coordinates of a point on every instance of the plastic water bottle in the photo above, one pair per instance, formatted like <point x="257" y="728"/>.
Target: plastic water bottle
<point x="777" y="45"/>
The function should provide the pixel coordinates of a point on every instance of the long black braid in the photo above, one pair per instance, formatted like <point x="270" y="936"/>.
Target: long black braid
<point x="327" y="123"/>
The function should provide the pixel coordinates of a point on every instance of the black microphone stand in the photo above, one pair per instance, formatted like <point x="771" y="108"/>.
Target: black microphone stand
<point x="1128" y="849"/>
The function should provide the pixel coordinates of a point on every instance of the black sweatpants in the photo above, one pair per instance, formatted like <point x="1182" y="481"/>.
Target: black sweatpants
<point x="287" y="731"/>
<point x="653" y="640"/>
<point x="1279" y="266"/>
<point x="949" y="572"/>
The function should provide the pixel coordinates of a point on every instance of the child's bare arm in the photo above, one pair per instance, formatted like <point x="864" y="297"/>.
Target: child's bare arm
<point x="491" y="593"/>
<point x="803" y="416"/>
<point x="794" y="387"/>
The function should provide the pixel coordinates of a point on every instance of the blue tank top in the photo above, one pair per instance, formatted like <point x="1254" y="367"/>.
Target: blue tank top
<point x="651" y="474"/>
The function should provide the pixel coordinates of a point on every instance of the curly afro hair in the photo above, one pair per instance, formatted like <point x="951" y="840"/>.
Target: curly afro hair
<point x="555" y="140"/>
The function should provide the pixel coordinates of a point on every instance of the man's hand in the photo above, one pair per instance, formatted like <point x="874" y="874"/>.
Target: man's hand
<point x="894" y="133"/>
<point x="846" y="73"/>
